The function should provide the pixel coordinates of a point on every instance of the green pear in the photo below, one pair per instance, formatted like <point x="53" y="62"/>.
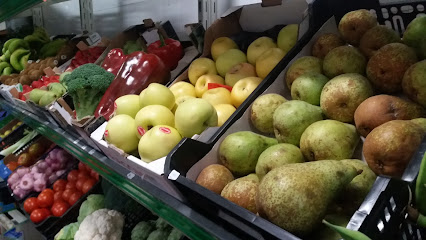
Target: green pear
<point x="37" y="94"/>
<point x="243" y="191"/>
<point x="296" y="196"/>
<point x="308" y="87"/>
<point x="292" y="118"/>
<point x="276" y="156"/>
<point x="344" y="59"/>
<point x="329" y="139"/>
<point x="421" y="122"/>
<point x="47" y="98"/>
<point x="239" y="151"/>
<point x="355" y="192"/>
<point x="301" y="66"/>
<point x="413" y="83"/>
<point x="414" y="35"/>
<point x="262" y="111"/>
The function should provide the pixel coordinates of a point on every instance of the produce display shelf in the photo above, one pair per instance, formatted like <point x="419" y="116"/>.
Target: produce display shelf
<point x="181" y="216"/>
<point x="9" y="8"/>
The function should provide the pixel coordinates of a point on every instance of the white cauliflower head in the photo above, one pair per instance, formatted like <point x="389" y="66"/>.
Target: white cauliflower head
<point x="102" y="224"/>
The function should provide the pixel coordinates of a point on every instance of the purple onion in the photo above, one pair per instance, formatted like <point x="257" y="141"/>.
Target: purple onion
<point x="35" y="169"/>
<point x="13" y="178"/>
<point x="42" y="165"/>
<point x="39" y="185"/>
<point x="52" y="178"/>
<point x="60" y="173"/>
<point x="49" y="170"/>
<point x="26" y="183"/>
<point x="22" y="171"/>
<point x="54" y="153"/>
<point x="55" y="166"/>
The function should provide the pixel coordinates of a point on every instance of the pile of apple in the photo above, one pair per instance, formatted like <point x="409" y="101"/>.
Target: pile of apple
<point x="156" y="120"/>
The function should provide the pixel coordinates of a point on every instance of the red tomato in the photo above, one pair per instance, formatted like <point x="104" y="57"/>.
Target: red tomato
<point x="30" y="205"/>
<point x="70" y="185"/>
<point x="58" y="196"/>
<point x="79" y="183"/>
<point x="45" y="198"/>
<point x="67" y="194"/>
<point x="94" y="175"/>
<point x="88" y="184"/>
<point x="83" y="174"/>
<point x="83" y="167"/>
<point x="59" y="208"/>
<point x="59" y="185"/>
<point x="74" y="197"/>
<point x="72" y="176"/>
<point x="48" y="190"/>
<point x="38" y="215"/>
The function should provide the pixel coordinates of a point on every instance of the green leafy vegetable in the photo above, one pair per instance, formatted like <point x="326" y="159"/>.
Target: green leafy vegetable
<point x="92" y="203"/>
<point x="67" y="232"/>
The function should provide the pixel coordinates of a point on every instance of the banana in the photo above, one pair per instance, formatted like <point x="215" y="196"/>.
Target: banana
<point x="7" y="44"/>
<point x="24" y="60"/>
<point x="41" y="34"/>
<point x="32" y="38"/>
<point x="16" y="57"/>
<point x="20" y="43"/>
<point x="3" y="65"/>
<point x="7" y="71"/>
<point x="6" y="56"/>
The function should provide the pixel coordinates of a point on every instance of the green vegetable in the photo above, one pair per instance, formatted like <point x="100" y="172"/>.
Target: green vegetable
<point x="52" y="48"/>
<point x="142" y="230"/>
<point x="92" y="203"/>
<point x="162" y="224"/>
<point x="132" y="46"/>
<point x="158" y="234"/>
<point x="61" y="78"/>
<point x="347" y="234"/>
<point x="87" y="85"/>
<point x="57" y="88"/>
<point x="47" y="98"/>
<point x="67" y="232"/>
<point x="36" y="94"/>
<point x="117" y="200"/>
<point x="19" y="144"/>
<point x="175" y="234"/>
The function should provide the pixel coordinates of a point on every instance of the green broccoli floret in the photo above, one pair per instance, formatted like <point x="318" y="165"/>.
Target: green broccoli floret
<point x="86" y="85"/>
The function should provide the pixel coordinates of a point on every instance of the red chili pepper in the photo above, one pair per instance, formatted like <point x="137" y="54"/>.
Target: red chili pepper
<point x="138" y="71"/>
<point x="114" y="60"/>
<point x="217" y="85"/>
<point x="169" y="50"/>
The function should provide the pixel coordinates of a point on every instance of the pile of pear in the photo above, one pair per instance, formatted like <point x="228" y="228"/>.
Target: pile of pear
<point x="362" y="88"/>
<point x="235" y="73"/>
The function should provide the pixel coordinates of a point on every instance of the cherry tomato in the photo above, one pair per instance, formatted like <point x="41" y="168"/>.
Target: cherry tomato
<point x="74" y="197"/>
<point x="45" y="199"/>
<point x="30" y="205"/>
<point x="59" y="208"/>
<point x="48" y="190"/>
<point x="83" y="174"/>
<point x="59" y="185"/>
<point x="94" y="175"/>
<point x="58" y="196"/>
<point x="70" y="185"/>
<point x="83" y="167"/>
<point x="72" y="176"/>
<point x="38" y="215"/>
<point x="79" y="183"/>
<point x="67" y="194"/>
<point x="88" y="184"/>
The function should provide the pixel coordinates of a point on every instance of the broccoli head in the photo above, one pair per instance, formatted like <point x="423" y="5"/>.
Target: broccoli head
<point x="87" y="85"/>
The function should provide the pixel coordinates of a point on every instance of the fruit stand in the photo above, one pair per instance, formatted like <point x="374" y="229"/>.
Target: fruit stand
<point x="213" y="119"/>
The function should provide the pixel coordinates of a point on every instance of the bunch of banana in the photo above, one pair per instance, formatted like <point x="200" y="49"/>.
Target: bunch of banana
<point x="15" y="56"/>
<point x="39" y="37"/>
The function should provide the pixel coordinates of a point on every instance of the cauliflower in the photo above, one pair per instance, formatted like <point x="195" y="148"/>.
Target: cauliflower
<point x="103" y="224"/>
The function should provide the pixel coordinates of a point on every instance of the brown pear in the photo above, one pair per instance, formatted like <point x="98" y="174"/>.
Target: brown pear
<point x="375" y="38"/>
<point x="214" y="177"/>
<point x="389" y="147"/>
<point x="387" y="66"/>
<point x="354" y="24"/>
<point x="301" y="66"/>
<point x="325" y="43"/>
<point x="243" y="191"/>
<point x="379" y="109"/>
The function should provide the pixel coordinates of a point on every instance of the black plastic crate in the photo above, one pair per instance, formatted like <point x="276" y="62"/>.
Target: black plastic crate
<point x="188" y="152"/>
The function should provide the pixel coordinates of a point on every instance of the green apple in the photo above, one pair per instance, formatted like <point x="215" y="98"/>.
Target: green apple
<point x="193" y="116"/>
<point x="180" y="100"/>
<point x="119" y="132"/>
<point x="127" y="104"/>
<point x="202" y="84"/>
<point x="157" y="94"/>
<point x="259" y="46"/>
<point x="151" y="116"/>
<point x="268" y="60"/>
<point x="224" y="111"/>
<point x="287" y="37"/>
<point x="221" y="45"/>
<point x="308" y="87"/>
<point x="158" y="142"/>
<point x="180" y="89"/>
<point x="228" y="59"/>
<point x="239" y="71"/>
<point x="199" y="67"/>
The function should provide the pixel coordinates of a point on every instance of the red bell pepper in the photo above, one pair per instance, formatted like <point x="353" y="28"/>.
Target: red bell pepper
<point x="137" y="72"/>
<point x="114" y="60"/>
<point x="169" y="50"/>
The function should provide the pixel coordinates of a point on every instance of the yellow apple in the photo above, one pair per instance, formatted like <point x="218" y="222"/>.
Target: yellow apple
<point x="228" y="59"/>
<point x="127" y="104"/>
<point x="158" y="142"/>
<point x="221" y="45"/>
<point x="199" y="67"/>
<point x="151" y="116"/>
<point x="180" y="89"/>
<point x="180" y="100"/>
<point x="224" y="111"/>
<point x="239" y="71"/>
<point x="203" y="83"/>
<point x="268" y="60"/>
<point x="287" y="37"/>
<point x="259" y="46"/>
<point x="243" y="88"/>
<point x="120" y="132"/>
<point x="157" y="94"/>
<point x="218" y="95"/>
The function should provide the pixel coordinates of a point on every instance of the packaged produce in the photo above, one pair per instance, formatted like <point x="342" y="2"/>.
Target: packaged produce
<point x="137" y="72"/>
